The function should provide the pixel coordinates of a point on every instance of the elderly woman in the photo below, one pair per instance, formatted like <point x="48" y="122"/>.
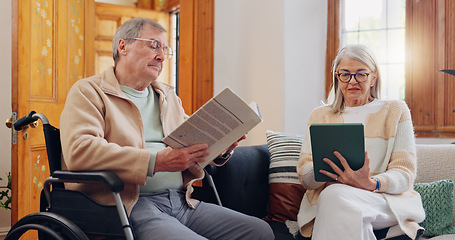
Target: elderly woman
<point x="379" y="195"/>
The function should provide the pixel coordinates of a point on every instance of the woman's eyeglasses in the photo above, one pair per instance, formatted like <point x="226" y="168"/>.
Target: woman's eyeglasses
<point x="359" y="77"/>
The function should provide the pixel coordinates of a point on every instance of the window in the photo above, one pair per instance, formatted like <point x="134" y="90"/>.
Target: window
<point x="174" y="43"/>
<point x="380" y="25"/>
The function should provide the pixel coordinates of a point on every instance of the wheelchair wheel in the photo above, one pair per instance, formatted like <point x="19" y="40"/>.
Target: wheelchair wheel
<point x="49" y="226"/>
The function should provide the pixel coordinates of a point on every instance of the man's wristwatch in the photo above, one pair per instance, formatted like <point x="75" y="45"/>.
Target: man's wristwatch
<point x="226" y="156"/>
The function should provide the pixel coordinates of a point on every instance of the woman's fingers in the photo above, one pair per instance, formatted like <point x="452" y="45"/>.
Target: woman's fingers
<point x="329" y="174"/>
<point x="342" y="160"/>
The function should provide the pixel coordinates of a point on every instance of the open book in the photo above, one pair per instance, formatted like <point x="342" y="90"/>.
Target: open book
<point x="220" y="122"/>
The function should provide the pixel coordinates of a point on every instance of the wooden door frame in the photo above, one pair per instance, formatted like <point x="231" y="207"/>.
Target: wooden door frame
<point x="14" y="107"/>
<point x="196" y="53"/>
<point x="333" y="41"/>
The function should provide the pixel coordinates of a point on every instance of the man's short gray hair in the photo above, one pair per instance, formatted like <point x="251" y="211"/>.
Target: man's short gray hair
<point x="131" y="29"/>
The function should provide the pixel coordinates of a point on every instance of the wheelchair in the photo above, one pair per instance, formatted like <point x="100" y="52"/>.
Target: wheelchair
<point x="72" y="215"/>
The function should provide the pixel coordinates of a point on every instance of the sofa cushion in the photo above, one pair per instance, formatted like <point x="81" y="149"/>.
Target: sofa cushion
<point x="242" y="182"/>
<point x="435" y="162"/>
<point x="437" y="200"/>
<point x="285" y="190"/>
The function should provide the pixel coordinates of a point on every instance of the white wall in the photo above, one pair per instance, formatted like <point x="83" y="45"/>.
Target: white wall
<point x="305" y="46"/>
<point x="273" y="53"/>
<point x="5" y="106"/>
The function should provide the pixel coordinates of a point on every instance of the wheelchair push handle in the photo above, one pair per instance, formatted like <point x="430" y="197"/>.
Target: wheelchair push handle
<point x="30" y="118"/>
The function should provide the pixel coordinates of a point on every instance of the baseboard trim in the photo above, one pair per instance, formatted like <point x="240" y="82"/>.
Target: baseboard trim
<point x="4" y="231"/>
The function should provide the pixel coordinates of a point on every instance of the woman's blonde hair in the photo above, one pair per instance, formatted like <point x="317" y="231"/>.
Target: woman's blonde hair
<point x="362" y="54"/>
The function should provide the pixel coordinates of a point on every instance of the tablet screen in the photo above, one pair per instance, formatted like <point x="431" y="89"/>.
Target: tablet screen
<point x="346" y="138"/>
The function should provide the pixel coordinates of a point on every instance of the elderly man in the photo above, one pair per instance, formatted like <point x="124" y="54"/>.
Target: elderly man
<point x="116" y="121"/>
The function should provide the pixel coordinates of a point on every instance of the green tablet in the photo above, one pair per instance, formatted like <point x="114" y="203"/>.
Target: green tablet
<point x="346" y="138"/>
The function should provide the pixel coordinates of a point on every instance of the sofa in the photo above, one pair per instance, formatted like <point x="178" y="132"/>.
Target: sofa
<point x="243" y="185"/>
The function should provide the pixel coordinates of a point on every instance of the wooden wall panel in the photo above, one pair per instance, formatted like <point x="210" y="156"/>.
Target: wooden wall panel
<point x="186" y="51"/>
<point x="429" y="48"/>
<point x="421" y="68"/>
<point x="449" y="63"/>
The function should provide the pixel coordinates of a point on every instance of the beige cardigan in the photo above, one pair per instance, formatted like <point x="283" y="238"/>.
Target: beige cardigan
<point x="101" y="129"/>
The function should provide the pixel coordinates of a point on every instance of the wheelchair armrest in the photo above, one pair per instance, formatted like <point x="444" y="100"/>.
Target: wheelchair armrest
<point x="112" y="181"/>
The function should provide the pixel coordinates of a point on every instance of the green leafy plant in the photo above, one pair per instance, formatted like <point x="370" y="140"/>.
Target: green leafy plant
<point x="5" y="196"/>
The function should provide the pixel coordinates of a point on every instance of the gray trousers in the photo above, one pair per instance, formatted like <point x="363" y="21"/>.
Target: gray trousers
<point x="166" y="215"/>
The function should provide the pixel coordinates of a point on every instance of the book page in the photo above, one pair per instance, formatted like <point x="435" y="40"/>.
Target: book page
<point x="220" y="122"/>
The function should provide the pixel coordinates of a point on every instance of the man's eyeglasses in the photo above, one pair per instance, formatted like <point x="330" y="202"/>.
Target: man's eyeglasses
<point x="359" y="77"/>
<point x="156" y="45"/>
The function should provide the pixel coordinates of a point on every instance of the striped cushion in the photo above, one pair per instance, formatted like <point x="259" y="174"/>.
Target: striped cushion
<point x="284" y="155"/>
<point x="285" y="190"/>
